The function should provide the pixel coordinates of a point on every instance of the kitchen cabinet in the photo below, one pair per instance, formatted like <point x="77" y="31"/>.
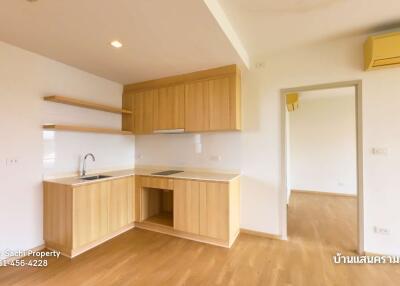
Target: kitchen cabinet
<point x="220" y="104"/>
<point x="90" y="216"/>
<point x="202" y="208"/>
<point x="197" y="110"/>
<point x="153" y="198"/>
<point x="187" y="205"/>
<point x="195" y="102"/>
<point x="121" y="202"/>
<point x="77" y="218"/>
<point x="206" y="211"/>
<point x="214" y="211"/>
<point x="143" y="111"/>
<point x="169" y="112"/>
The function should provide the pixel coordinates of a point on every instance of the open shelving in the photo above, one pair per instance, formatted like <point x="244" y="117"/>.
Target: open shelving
<point x="77" y="128"/>
<point x="85" y="104"/>
<point x="89" y="105"/>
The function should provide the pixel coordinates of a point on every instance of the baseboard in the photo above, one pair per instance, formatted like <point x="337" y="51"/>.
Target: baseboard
<point x="261" y="234"/>
<point x="80" y="250"/>
<point x="170" y="231"/>
<point x="75" y="252"/>
<point x="323" y="193"/>
<point x="13" y="258"/>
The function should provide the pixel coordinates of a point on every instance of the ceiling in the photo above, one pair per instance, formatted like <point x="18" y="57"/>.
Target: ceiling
<point x="268" y="26"/>
<point x="160" y="37"/>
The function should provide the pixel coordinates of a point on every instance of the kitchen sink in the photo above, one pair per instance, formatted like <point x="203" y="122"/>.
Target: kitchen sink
<point x="97" y="177"/>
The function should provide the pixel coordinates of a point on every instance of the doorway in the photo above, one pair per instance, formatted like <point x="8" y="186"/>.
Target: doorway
<point x="290" y="101"/>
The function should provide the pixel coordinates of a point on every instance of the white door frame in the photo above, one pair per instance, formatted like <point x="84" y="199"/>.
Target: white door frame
<point x="357" y="84"/>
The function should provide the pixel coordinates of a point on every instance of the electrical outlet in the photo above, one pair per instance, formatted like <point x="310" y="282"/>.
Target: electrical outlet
<point x="260" y="65"/>
<point x="216" y="158"/>
<point x="381" y="230"/>
<point x="11" y="162"/>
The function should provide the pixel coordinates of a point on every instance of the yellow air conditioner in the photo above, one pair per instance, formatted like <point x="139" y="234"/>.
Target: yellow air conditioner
<point x="292" y="101"/>
<point x="382" y="51"/>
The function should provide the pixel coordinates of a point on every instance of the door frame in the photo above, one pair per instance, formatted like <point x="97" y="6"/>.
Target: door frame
<point x="357" y="84"/>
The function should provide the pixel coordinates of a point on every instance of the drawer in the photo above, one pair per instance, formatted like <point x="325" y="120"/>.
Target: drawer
<point x="156" y="183"/>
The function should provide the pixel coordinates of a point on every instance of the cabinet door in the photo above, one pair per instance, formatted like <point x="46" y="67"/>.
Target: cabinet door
<point x="197" y="116"/>
<point x="219" y="90"/>
<point x="186" y="205"/>
<point x="143" y="104"/>
<point x="131" y="199"/>
<point x="169" y="106"/>
<point x="214" y="210"/>
<point x="220" y="100"/>
<point x="120" y="203"/>
<point x="90" y="219"/>
<point x="127" y="119"/>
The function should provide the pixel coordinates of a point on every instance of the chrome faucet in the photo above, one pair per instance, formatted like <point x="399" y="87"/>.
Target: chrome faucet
<point x="84" y="162"/>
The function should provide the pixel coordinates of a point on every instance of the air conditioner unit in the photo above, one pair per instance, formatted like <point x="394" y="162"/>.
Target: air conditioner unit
<point x="382" y="51"/>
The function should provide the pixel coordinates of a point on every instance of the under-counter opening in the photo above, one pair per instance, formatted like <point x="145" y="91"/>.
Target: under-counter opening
<point x="158" y="206"/>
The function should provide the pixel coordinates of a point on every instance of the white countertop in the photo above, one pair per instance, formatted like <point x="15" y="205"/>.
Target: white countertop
<point x="188" y="175"/>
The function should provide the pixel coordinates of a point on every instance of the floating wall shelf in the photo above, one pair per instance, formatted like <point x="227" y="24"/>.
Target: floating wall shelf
<point x="85" y="104"/>
<point x="58" y="127"/>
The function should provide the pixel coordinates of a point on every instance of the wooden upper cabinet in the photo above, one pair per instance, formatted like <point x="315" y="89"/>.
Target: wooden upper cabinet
<point x="200" y="101"/>
<point x="169" y="111"/>
<point x="224" y="98"/>
<point x="143" y="111"/>
<point x="197" y="109"/>
<point x="127" y="119"/>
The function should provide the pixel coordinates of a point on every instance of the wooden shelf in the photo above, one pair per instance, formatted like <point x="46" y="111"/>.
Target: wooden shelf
<point x="85" y="104"/>
<point x="163" y="218"/>
<point x="76" y="128"/>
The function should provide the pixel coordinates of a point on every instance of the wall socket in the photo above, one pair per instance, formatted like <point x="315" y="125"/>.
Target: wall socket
<point x="10" y="162"/>
<point x="216" y="158"/>
<point x="381" y="230"/>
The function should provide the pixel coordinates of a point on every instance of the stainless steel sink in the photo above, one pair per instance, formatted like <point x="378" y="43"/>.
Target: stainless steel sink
<point x="97" y="177"/>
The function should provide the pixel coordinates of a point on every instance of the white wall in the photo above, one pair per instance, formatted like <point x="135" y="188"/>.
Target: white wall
<point x="24" y="79"/>
<point x="340" y="60"/>
<point x="323" y="154"/>
<point x="220" y="151"/>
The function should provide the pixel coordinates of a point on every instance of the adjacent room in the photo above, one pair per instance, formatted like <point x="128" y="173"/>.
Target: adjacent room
<point x="201" y="142"/>
<point x="322" y="167"/>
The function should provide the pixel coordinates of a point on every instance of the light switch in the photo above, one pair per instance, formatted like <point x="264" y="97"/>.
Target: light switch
<point x="379" y="151"/>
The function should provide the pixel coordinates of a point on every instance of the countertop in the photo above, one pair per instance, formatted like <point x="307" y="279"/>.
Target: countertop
<point x="188" y="175"/>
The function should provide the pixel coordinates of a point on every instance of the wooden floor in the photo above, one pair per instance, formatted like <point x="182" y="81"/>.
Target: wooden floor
<point x="318" y="227"/>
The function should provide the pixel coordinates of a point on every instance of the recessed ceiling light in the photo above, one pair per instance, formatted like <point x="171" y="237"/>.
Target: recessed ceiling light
<point x="116" y="44"/>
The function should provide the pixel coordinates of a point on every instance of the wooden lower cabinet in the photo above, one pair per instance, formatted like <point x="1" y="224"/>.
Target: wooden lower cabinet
<point x="121" y="202"/>
<point x="187" y="205"/>
<point x="202" y="210"/>
<point x="79" y="218"/>
<point x="90" y="213"/>
<point x="214" y="210"/>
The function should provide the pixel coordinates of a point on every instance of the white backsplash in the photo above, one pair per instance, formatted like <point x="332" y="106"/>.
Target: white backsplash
<point x="211" y="151"/>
